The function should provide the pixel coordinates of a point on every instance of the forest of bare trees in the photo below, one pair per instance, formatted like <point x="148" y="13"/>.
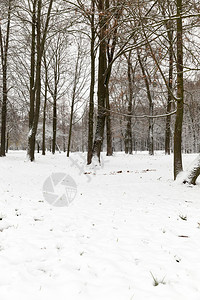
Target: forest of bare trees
<point x="101" y="75"/>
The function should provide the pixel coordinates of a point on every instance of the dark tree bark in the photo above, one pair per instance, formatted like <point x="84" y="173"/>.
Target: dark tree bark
<point x="72" y="104"/>
<point x="169" y="98"/>
<point x="44" y="109"/>
<point x="4" y="46"/>
<point x="108" y="125"/>
<point x="92" y="84"/>
<point x="151" y="137"/>
<point x="128" y="134"/>
<point x="31" y="142"/>
<point x="54" y="122"/>
<point x="55" y="93"/>
<point x="63" y="126"/>
<point x="98" y="141"/>
<point x="110" y="54"/>
<point x="70" y="124"/>
<point x="37" y="50"/>
<point x="179" y="115"/>
<point x="113" y="35"/>
<point x="44" y="124"/>
<point x="7" y="141"/>
<point x="167" y="10"/>
<point x="169" y="27"/>
<point x="38" y="73"/>
<point x="38" y="147"/>
<point x="108" y="41"/>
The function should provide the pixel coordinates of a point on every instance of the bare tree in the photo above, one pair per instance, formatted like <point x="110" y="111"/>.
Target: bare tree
<point x="180" y="88"/>
<point x="92" y="83"/>
<point x="128" y="134"/>
<point x="56" y="72"/>
<point x="102" y="67"/>
<point x="78" y="87"/>
<point x="109" y="16"/>
<point x="4" y="47"/>
<point x="147" y="81"/>
<point x="38" y="39"/>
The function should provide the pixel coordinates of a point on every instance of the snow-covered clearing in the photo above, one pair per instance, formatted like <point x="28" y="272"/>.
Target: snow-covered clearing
<point x="128" y="224"/>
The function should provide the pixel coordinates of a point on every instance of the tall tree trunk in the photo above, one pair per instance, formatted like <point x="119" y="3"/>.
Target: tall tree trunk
<point x="113" y="35"/>
<point x="167" y="11"/>
<point x="149" y="96"/>
<point x="44" y="117"/>
<point x="92" y="84"/>
<point x="54" y="121"/>
<point x="38" y="147"/>
<point x="4" y="113"/>
<point x="4" y="59"/>
<point x="150" y="137"/>
<point x="64" y="147"/>
<point x="109" y="31"/>
<point x="128" y="134"/>
<point x="108" y="125"/>
<point x="179" y="115"/>
<point x="169" y="98"/>
<point x="63" y="127"/>
<point x="7" y="141"/>
<point x="70" y="128"/>
<point x="72" y="104"/>
<point x="31" y="142"/>
<point x="108" y="114"/>
<point x="121" y="135"/>
<point x="44" y="107"/>
<point x="70" y="125"/>
<point x="98" y="141"/>
<point x="35" y="77"/>
<point x="32" y="134"/>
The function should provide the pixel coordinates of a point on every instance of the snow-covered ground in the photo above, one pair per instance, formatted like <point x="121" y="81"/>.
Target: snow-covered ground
<point x="129" y="228"/>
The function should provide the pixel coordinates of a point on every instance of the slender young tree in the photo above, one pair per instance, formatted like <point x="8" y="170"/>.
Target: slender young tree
<point x="128" y="133"/>
<point x="170" y="87"/>
<point x="4" y="47"/>
<point x="112" y="40"/>
<point x="92" y="84"/>
<point x="46" y="67"/>
<point x="151" y="104"/>
<point x="167" y="9"/>
<point x="55" y="53"/>
<point x="179" y="115"/>
<point x="74" y="95"/>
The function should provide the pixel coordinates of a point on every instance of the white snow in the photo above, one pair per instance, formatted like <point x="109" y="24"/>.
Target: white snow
<point x="128" y="223"/>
